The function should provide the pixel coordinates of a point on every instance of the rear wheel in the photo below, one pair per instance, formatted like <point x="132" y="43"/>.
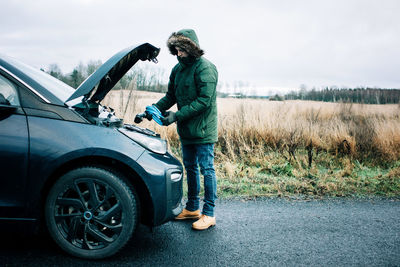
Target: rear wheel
<point x="91" y="212"/>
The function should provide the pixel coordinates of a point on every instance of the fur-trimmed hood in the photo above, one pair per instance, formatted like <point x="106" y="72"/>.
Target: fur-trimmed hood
<point x="187" y="40"/>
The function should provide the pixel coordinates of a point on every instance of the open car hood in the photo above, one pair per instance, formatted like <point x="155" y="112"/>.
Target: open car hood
<point x="97" y="85"/>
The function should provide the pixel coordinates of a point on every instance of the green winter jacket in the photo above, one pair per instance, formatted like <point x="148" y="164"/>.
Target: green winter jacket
<point x="192" y="86"/>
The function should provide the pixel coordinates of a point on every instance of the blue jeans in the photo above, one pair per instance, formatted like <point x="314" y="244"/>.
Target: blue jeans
<point x="200" y="155"/>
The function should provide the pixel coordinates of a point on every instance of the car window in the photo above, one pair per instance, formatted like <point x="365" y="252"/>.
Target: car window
<point x="61" y="90"/>
<point x="8" y="93"/>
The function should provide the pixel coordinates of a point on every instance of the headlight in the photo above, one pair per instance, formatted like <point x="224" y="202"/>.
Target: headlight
<point x="176" y="176"/>
<point x="152" y="143"/>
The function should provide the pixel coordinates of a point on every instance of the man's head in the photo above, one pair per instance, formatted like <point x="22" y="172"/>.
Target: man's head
<point x="184" y="43"/>
<point x="181" y="52"/>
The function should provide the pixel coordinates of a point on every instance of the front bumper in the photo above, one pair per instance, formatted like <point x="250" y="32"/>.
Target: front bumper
<point x="163" y="176"/>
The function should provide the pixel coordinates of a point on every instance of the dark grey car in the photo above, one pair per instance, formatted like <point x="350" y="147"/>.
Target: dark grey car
<point x="67" y="159"/>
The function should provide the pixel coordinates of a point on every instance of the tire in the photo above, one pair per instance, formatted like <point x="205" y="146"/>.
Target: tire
<point x="91" y="212"/>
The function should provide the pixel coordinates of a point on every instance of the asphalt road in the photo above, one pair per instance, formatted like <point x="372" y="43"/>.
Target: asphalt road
<point x="249" y="233"/>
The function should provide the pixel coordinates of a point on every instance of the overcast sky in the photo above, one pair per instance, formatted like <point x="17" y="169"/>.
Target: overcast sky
<point x="264" y="44"/>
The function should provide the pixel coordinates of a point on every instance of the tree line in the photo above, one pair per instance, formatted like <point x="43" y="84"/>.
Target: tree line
<point x="353" y="95"/>
<point x="150" y="78"/>
<point x="143" y="78"/>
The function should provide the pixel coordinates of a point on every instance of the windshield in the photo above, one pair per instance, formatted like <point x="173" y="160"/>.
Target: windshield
<point x="57" y="87"/>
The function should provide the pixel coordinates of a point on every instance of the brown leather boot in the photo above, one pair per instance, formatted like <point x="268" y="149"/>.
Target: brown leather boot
<point x="186" y="214"/>
<point x="204" y="222"/>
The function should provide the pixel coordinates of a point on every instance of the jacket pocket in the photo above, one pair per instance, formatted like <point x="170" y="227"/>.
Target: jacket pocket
<point x="193" y="128"/>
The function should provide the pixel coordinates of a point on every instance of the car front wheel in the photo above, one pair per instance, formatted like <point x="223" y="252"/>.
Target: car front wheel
<point x="91" y="212"/>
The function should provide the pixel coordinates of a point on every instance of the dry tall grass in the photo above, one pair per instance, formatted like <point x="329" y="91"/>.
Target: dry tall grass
<point x="361" y="131"/>
<point x="250" y="127"/>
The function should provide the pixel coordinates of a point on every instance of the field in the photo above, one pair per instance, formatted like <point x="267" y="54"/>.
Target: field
<point x="271" y="148"/>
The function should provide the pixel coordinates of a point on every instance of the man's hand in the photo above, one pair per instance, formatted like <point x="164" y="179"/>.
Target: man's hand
<point x="169" y="118"/>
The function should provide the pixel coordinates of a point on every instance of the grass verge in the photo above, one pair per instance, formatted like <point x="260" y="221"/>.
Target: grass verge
<point x="275" y="176"/>
<point x="329" y="176"/>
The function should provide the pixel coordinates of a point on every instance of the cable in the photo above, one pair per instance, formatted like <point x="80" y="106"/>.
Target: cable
<point x="155" y="114"/>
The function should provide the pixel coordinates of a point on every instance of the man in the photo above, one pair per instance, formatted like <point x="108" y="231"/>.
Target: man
<point x="192" y="86"/>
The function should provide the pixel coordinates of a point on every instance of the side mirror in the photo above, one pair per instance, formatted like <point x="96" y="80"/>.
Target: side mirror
<point x="3" y="100"/>
<point x="5" y="107"/>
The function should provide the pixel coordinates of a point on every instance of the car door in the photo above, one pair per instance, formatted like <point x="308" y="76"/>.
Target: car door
<point x="14" y="145"/>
